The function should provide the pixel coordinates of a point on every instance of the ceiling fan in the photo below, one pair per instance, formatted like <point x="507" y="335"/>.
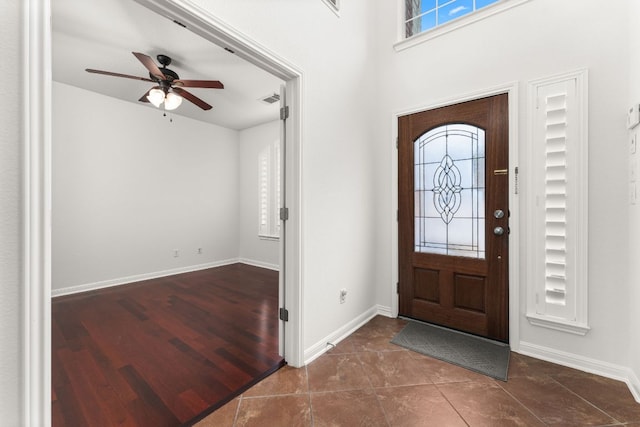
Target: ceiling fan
<point x="169" y="87"/>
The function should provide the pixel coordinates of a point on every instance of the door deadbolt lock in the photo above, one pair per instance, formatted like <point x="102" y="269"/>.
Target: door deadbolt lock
<point x="498" y="213"/>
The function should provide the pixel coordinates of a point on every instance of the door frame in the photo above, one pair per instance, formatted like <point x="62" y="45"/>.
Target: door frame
<point x="515" y="187"/>
<point x="36" y="187"/>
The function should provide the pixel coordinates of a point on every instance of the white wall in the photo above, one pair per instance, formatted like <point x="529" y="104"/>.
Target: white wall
<point x="252" y="249"/>
<point x="11" y="136"/>
<point x="537" y="39"/>
<point x="339" y="229"/>
<point x="349" y="96"/>
<point x="634" y="210"/>
<point x="130" y="186"/>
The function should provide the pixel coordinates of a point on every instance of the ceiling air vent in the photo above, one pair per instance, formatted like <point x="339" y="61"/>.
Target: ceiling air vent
<point x="270" y="99"/>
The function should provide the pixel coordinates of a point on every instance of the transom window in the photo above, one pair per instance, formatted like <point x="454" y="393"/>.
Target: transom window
<point x="424" y="15"/>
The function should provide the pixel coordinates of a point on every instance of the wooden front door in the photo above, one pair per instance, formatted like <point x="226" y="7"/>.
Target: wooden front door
<point x="453" y="216"/>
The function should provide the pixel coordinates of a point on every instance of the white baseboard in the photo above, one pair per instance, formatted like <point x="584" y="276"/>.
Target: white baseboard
<point x="598" y="367"/>
<point x="255" y="263"/>
<point x="321" y="347"/>
<point x="154" y="275"/>
<point x="634" y="385"/>
<point x="384" y="311"/>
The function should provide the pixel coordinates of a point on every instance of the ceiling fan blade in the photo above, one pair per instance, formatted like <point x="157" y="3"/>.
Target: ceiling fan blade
<point x="209" y="84"/>
<point x="150" y="65"/>
<point x="144" y="98"/>
<point x="192" y="98"/>
<point x="109" y="73"/>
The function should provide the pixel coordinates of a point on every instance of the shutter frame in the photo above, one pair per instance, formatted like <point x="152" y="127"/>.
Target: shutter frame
<point x="558" y="165"/>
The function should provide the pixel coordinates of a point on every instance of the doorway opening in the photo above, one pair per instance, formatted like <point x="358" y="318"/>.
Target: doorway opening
<point x="453" y="216"/>
<point x="38" y="179"/>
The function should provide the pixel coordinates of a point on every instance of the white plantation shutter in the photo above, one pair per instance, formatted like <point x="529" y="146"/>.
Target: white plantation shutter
<point x="269" y="191"/>
<point x="558" y="161"/>
<point x="263" y="164"/>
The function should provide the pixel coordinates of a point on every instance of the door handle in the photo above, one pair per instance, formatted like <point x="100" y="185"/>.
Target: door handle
<point x="498" y="231"/>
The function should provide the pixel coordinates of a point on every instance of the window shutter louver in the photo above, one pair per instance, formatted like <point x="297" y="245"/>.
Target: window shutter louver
<point x="558" y="165"/>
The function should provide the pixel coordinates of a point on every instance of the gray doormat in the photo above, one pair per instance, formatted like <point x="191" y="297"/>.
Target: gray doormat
<point x="477" y="354"/>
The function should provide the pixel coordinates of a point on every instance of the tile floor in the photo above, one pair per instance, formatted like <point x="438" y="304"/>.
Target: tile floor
<point x="366" y="381"/>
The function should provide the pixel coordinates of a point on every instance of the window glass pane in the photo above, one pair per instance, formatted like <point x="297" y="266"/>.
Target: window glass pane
<point x="449" y="191"/>
<point x="483" y="3"/>
<point x="454" y="9"/>
<point x="428" y="21"/>
<point x="423" y="15"/>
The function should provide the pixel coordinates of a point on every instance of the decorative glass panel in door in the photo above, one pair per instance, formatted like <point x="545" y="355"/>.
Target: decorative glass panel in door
<point x="449" y="186"/>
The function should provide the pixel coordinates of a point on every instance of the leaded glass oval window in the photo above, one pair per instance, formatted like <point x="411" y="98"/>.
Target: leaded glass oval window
<point x="449" y="185"/>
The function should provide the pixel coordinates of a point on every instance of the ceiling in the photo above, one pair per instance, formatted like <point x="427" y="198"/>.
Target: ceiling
<point x="103" y="34"/>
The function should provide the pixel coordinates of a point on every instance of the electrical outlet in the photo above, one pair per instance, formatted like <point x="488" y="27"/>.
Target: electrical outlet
<point x="343" y="296"/>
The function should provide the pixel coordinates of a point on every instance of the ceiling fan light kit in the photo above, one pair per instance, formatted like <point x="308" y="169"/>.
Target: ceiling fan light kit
<point x="172" y="101"/>
<point x="156" y="97"/>
<point x="170" y="89"/>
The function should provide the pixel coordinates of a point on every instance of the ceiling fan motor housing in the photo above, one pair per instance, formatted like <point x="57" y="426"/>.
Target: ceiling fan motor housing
<point x="165" y="80"/>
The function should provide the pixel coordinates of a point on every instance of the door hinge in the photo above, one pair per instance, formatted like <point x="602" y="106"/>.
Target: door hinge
<point x="284" y="112"/>
<point x="396" y="142"/>
<point x="515" y="184"/>
<point x="284" y="214"/>
<point x="397" y="287"/>
<point x="284" y="314"/>
<point x="397" y="215"/>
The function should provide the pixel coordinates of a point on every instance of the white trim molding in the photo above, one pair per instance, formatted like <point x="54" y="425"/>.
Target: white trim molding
<point x="37" y="213"/>
<point x="327" y="343"/>
<point x="261" y="264"/>
<point x="586" y="364"/>
<point x="36" y="389"/>
<point x="557" y="177"/>
<point x="147" y="276"/>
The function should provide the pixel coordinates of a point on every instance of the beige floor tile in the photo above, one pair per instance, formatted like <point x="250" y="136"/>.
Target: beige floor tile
<point x="612" y="397"/>
<point x="443" y="372"/>
<point x="347" y="408"/>
<point x="366" y="381"/>
<point x="393" y="368"/>
<point x="286" y="380"/>
<point x="222" y="417"/>
<point x="553" y="403"/>
<point x="420" y="405"/>
<point x="337" y="372"/>
<point x="485" y="404"/>
<point x="274" y="411"/>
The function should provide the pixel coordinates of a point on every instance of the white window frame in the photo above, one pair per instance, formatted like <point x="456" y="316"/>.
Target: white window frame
<point x="565" y="309"/>
<point x="269" y="192"/>
<point x="478" y="15"/>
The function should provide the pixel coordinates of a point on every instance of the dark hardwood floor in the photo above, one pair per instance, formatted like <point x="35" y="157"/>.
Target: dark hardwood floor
<point x="163" y="352"/>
